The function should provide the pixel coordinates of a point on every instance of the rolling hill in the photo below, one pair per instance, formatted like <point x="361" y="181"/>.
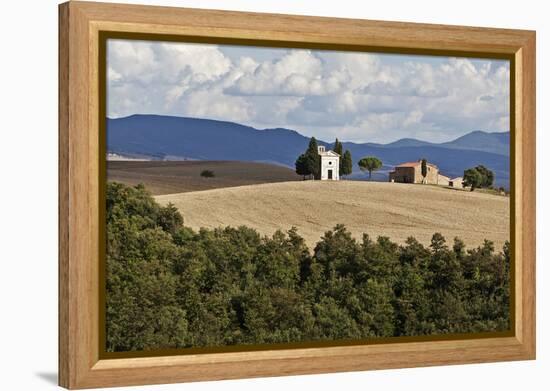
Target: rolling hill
<point x="496" y="142"/>
<point x="179" y="138"/>
<point x="386" y="209"/>
<point x="165" y="177"/>
<point x="478" y="140"/>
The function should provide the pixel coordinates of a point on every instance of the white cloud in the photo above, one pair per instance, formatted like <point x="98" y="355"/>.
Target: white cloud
<point x="297" y="73"/>
<point x="214" y="104"/>
<point x="154" y="76"/>
<point x="355" y="96"/>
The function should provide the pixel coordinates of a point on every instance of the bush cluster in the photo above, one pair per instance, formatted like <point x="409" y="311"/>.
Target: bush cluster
<point x="171" y="287"/>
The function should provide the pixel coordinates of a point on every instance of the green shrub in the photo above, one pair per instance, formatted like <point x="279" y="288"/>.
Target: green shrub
<point x="207" y="174"/>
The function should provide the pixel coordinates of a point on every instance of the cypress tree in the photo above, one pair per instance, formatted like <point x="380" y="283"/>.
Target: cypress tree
<point x="313" y="160"/>
<point x="424" y="170"/>
<point x="338" y="149"/>
<point x="346" y="163"/>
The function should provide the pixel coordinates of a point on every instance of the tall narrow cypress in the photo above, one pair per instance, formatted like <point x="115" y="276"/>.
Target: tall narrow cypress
<point x="313" y="159"/>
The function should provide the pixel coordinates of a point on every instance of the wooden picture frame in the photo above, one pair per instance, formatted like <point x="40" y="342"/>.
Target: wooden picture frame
<point x="81" y="364"/>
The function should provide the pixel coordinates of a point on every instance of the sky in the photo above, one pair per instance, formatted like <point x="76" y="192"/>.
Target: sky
<point x="355" y="96"/>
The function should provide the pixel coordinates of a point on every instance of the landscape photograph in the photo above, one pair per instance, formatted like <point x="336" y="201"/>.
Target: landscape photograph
<point x="261" y="197"/>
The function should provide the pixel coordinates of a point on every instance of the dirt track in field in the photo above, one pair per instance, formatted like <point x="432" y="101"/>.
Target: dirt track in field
<point x="388" y="209"/>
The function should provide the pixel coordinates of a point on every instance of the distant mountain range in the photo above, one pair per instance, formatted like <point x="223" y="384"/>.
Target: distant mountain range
<point x="477" y="140"/>
<point x="178" y="138"/>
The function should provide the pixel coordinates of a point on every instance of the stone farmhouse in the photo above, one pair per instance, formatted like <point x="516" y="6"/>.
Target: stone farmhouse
<point x="330" y="164"/>
<point x="456" y="182"/>
<point x="411" y="172"/>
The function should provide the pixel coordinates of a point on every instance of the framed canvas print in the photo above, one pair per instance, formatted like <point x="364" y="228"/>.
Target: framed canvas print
<point x="247" y="195"/>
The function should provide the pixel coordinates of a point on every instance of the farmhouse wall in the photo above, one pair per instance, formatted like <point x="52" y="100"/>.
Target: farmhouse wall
<point x="456" y="182"/>
<point x="403" y="175"/>
<point x="432" y="176"/>
<point x="443" y="180"/>
<point x="413" y="174"/>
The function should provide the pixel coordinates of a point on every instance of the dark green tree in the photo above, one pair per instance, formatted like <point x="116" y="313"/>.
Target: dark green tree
<point x="472" y="178"/>
<point x="487" y="175"/>
<point x="370" y="164"/>
<point x="302" y="166"/>
<point x="424" y="170"/>
<point x="313" y="160"/>
<point x="170" y="219"/>
<point x="346" y="163"/>
<point x="485" y="178"/>
<point x="337" y="147"/>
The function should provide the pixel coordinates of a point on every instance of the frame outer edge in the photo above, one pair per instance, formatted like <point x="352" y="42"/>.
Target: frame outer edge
<point x="76" y="360"/>
<point x="529" y="194"/>
<point x="64" y="367"/>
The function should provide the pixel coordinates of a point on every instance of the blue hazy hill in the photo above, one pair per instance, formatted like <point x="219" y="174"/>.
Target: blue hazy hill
<point x="161" y="137"/>
<point x="498" y="142"/>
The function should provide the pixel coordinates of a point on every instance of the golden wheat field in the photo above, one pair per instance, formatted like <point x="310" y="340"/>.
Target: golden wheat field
<point x="388" y="209"/>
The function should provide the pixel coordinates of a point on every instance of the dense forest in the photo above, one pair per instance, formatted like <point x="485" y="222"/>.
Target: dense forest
<point x="170" y="287"/>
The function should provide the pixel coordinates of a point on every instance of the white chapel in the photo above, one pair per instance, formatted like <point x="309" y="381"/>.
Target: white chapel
<point x="330" y="164"/>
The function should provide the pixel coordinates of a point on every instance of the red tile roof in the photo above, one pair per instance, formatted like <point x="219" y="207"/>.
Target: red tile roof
<point x="413" y="164"/>
<point x="408" y="164"/>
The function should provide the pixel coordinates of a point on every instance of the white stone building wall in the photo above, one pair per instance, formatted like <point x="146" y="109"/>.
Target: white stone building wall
<point x="330" y="163"/>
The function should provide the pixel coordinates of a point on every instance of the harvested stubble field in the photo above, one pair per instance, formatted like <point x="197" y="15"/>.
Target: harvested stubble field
<point x="167" y="177"/>
<point x="379" y="209"/>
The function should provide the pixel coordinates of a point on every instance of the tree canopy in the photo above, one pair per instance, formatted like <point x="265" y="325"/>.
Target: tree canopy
<point x="346" y="163"/>
<point x="313" y="160"/>
<point x="168" y="286"/>
<point x="487" y="176"/>
<point x="478" y="177"/>
<point x="302" y="166"/>
<point x="370" y="164"/>
<point x="309" y="163"/>
<point x="337" y="147"/>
